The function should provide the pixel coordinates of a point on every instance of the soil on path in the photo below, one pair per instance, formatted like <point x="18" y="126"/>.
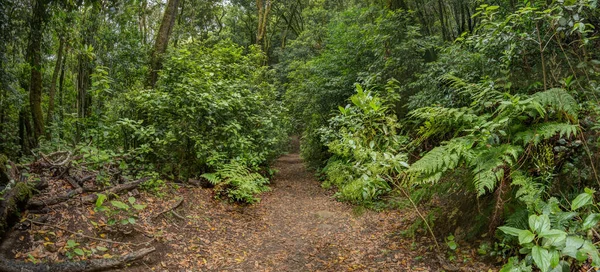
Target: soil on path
<point x="297" y="226"/>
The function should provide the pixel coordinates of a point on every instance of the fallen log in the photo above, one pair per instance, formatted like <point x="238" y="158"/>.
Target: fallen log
<point x="7" y="265"/>
<point x="37" y="204"/>
<point x="72" y="181"/>
<point x="4" y="179"/>
<point x="114" y="190"/>
<point x="14" y="200"/>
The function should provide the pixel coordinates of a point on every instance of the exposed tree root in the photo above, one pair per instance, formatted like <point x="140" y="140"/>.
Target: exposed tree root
<point x="169" y="209"/>
<point x="90" y="265"/>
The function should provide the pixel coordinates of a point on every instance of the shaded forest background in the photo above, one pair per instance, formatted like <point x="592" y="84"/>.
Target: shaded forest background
<point x="475" y="109"/>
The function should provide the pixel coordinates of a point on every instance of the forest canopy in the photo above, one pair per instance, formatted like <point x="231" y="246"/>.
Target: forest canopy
<point x="480" y="110"/>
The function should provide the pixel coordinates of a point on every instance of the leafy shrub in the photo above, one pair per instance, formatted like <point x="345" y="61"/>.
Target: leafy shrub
<point x="214" y="102"/>
<point x="238" y="182"/>
<point x="366" y="149"/>
<point x="556" y="238"/>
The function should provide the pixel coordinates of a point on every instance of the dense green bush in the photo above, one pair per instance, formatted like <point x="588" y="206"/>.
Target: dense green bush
<point x="366" y="147"/>
<point x="214" y="103"/>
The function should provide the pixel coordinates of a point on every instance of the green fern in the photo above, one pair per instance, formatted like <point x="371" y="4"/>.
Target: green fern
<point x="488" y="164"/>
<point x="238" y="182"/>
<point x="429" y="168"/>
<point x="440" y="120"/>
<point x="559" y="100"/>
<point x="539" y="132"/>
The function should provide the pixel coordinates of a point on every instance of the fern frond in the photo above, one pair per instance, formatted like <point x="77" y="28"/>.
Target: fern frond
<point x="559" y="100"/>
<point x="439" y="160"/>
<point x="213" y="178"/>
<point x="242" y="182"/>
<point x="440" y="120"/>
<point x="488" y="165"/>
<point x="539" y="132"/>
<point x="529" y="191"/>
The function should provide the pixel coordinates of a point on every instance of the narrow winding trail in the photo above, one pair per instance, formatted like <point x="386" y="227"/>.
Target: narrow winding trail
<point x="298" y="226"/>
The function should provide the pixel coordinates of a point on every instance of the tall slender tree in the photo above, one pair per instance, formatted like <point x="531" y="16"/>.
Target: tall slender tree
<point x="162" y="41"/>
<point x="37" y="23"/>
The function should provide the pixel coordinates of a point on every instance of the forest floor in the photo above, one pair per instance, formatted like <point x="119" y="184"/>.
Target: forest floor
<point x="297" y="226"/>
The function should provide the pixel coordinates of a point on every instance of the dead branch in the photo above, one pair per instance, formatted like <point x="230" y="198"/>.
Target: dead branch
<point x="72" y="182"/>
<point x="114" y="190"/>
<point x="56" y="162"/>
<point x="36" y="204"/>
<point x="169" y="209"/>
<point x="87" y="236"/>
<point x="89" y="265"/>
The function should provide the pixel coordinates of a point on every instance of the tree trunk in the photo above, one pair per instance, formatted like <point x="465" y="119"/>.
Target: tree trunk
<point x="51" y="94"/>
<point x="61" y="94"/>
<point x="35" y="61"/>
<point x="25" y="139"/>
<point x="162" y="41"/>
<point x="179" y="23"/>
<point x="263" y="14"/>
<point x="442" y="21"/>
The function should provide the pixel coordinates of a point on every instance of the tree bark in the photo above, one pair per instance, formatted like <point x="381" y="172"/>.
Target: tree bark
<point x="263" y="14"/>
<point x="35" y="61"/>
<point x="52" y="93"/>
<point x="162" y="41"/>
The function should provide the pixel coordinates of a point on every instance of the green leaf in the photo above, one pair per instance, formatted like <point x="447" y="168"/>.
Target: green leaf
<point x="525" y="237"/>
<point x="572" y="246"/>
<point x="100" y="248"/>
<point x="553" y="237"/>
<point x="120" y="205"/>
<point x="452" y="245"/>
<point x="590" y="221"/>
<point x="72" y="243"/>
<point x="131" y="200"/>
<point x="131" y="220"/>
<point x="555" y="258"/>
<point x="100" y="200"/>
<point x="139" y="206"/>
<point x="581" y="200"/>
<point x="590" y="250"/>
<point x="510" y="230"/>
<point x="79" y="252"/>
<point x="539" y="223"/>
<point x="541" y="258"/>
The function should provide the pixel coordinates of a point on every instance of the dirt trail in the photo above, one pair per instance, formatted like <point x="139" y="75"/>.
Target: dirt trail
<point x="298" y="226"/>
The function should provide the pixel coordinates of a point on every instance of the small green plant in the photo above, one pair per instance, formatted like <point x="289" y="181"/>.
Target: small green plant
<point x="155" y="184"/>
<point x="238" y="182"/>
<point x="452" y="245"/>
<point x="557" y="239"/>
<point x="73" y="249"/>
<point x="120" y="212"/>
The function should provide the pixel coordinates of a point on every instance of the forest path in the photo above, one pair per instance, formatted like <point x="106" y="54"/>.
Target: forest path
<point x="297" y="226"/>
